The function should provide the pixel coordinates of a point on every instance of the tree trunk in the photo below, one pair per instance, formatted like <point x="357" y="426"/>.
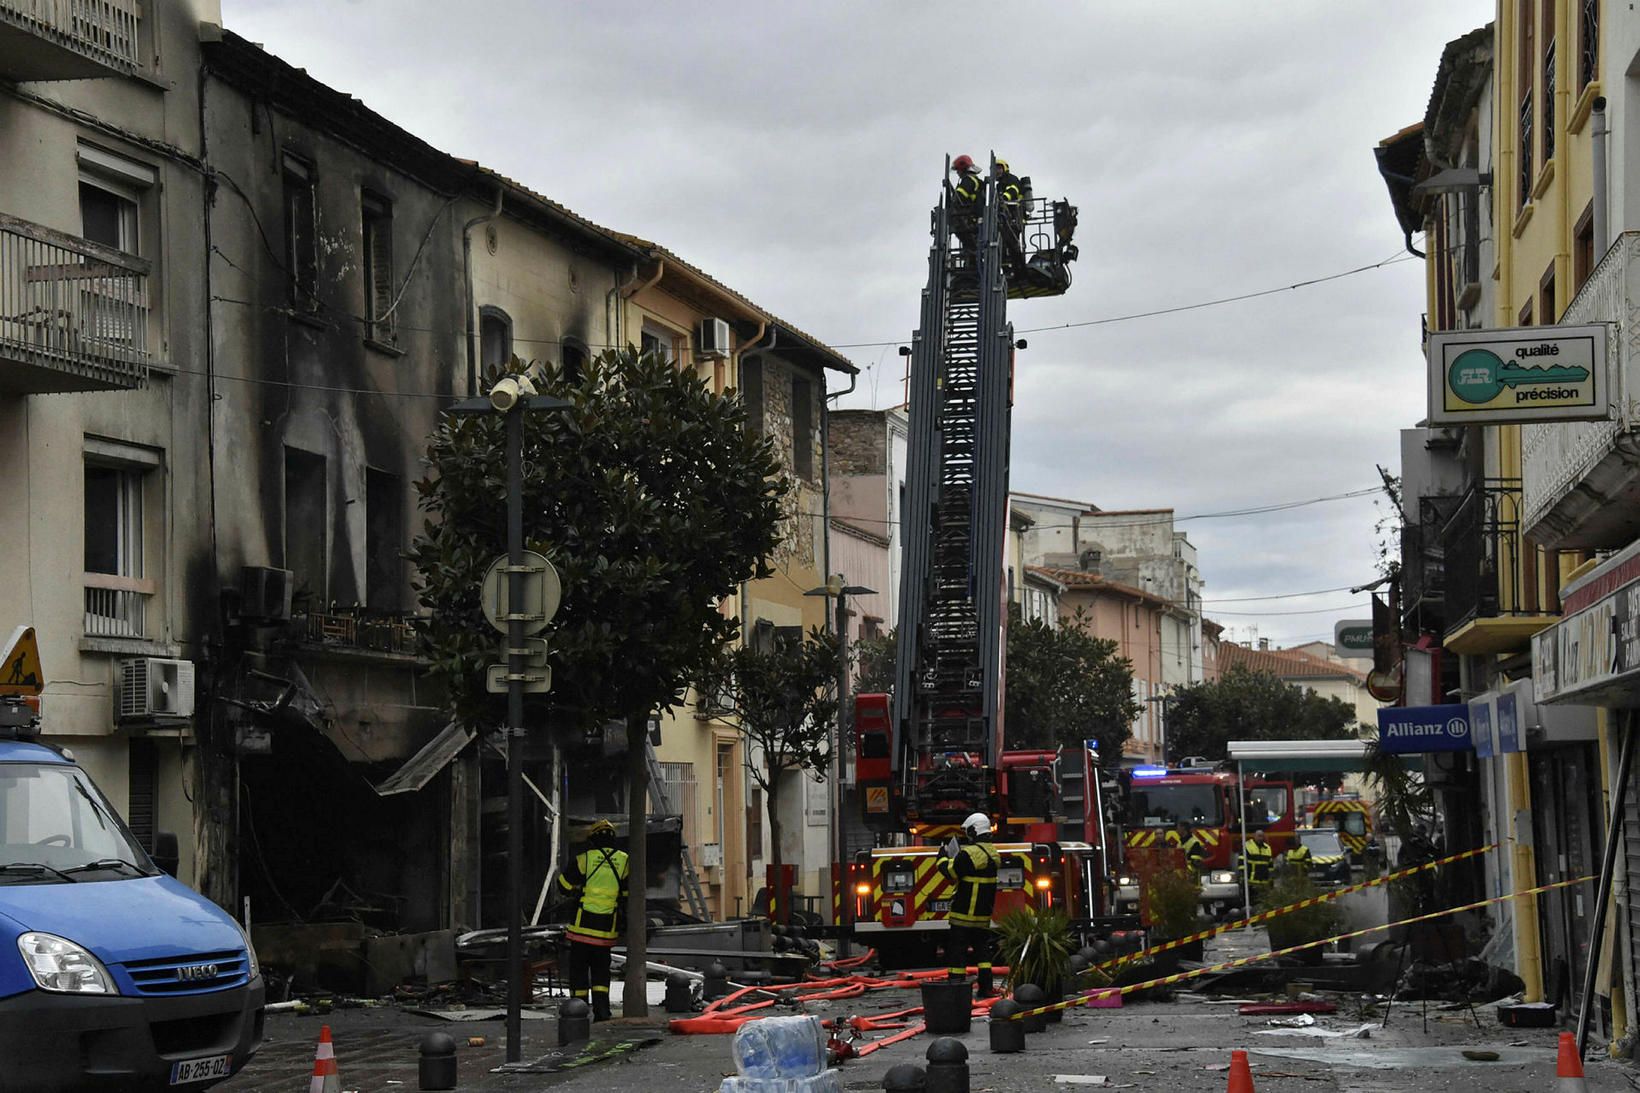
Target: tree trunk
<point x="635" y="1004"/>
<point x="781" y="907"/>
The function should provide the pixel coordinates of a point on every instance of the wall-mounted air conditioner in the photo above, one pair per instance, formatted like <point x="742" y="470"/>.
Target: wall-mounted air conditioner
<point x="712" y="338"/>
<point x="153" y="687"/>
<point x="264" y="594"/>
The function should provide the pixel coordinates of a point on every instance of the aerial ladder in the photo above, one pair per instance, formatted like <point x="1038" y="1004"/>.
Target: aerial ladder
<point x="938" y="752"/>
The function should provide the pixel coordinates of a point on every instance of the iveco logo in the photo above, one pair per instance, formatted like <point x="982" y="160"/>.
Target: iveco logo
<point x="195" y="973"/>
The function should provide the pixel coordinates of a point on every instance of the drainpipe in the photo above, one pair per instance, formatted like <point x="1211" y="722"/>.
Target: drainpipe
<point x="1600" y="133"/>
<point x="467" y="277"/>
<point x="638" y="286"/>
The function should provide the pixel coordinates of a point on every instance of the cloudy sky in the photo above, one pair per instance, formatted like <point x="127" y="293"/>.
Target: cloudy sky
<point x="1215" y="148"/>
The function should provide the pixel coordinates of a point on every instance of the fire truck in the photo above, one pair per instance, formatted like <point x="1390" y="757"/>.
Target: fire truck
<point x="1347" y="814"/>
<point x="1219" y="809"/>
<point x="932" y="752"/>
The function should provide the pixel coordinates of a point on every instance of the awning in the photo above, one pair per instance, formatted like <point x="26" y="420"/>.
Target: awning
<point x="1316" y="755"/>
<point x="421" y="767"/>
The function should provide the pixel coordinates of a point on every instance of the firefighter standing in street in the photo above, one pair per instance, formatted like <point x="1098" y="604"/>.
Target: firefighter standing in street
<point x="1260" y="859"/>
<point x="971" y="865"/>
<point x="1185" y="838"/>
<point x="1299" y="858"/>
<point x="597" y="879"/>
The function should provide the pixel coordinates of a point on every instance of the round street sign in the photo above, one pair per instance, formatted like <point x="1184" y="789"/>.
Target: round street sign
<point x="542" y="594"/>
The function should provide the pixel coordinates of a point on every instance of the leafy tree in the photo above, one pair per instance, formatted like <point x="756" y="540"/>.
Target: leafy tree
<point x="1246" y="705"/>
<point x="1065" y="686"/>
<point x="654" y="501"/>
<point x="784" y="701"/>
<point x="873" y="664"/>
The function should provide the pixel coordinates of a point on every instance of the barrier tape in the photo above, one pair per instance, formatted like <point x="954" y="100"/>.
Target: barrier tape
<point x="1276" y="912"/>
<point x="1167" y="980"/>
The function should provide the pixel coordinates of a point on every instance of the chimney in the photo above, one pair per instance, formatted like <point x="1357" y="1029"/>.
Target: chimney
<point x="1090" y="561"/>
<point x="1264" y="644"/>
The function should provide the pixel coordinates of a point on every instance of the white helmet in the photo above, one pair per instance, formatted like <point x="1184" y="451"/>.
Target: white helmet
<point x="977" y="824"/>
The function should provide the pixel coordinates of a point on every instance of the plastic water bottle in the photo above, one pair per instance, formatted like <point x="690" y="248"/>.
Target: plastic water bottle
<point x="827" y="1081"/>
<point x="780" y="1047"/>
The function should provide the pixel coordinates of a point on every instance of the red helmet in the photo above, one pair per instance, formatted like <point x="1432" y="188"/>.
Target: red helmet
<point x="962" y="163"/>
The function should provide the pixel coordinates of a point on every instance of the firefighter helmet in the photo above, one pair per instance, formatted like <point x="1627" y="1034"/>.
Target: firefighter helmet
<point x="1002" y="166"/>
<point x="601" y="828"/>
<point x="963" y="164"/>
<point x="977" y="824"/>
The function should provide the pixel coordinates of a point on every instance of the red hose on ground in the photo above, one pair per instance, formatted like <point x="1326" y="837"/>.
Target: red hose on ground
<point x="914" y="1030"/>
<point x="723" y="1016"/>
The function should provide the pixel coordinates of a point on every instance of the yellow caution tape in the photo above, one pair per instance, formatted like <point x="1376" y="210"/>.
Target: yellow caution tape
<point x="1276" y="912"/>
<point x="1167" y="980"/>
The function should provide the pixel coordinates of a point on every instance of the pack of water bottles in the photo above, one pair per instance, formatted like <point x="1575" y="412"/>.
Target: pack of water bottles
<point x="781" y="1055"/>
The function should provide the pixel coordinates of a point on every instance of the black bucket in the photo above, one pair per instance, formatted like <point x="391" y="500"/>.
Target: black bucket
<point x="948" y="1006"/>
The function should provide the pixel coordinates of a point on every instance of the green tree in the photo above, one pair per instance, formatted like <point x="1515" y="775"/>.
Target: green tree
<point x="654" y="502"/>
<point x="873" y="664"/>
<point x="784" y="701"/>
<point x="1065" y="686"/>
<point x="1245" y="705"/>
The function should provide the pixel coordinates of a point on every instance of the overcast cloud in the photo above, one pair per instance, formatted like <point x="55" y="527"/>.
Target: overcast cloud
<point x="793" y="151"/>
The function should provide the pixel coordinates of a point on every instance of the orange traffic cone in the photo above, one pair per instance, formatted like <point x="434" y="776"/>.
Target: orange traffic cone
<point x="1241" y="1077"/>
<point x="1569" y="1067"/>
<point x="325" y="1077"/>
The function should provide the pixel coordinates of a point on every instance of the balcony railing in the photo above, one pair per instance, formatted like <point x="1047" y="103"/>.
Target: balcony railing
<point x="1579" y="475"/>
<point x="359" y="631"/>
<point x="116" y="607"/>
<point x="1481" y="545"/>
<point x="73" y="314"/>
<point x="70" y="39"/>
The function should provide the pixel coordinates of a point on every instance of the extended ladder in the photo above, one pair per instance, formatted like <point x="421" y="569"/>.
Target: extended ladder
<point x="662" y="805"/>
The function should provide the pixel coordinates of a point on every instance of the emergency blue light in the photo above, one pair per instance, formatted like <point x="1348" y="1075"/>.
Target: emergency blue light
<point x="1149" y="772"/>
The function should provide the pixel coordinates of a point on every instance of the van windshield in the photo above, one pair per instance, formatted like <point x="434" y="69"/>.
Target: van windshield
<point x="55" y="826"/>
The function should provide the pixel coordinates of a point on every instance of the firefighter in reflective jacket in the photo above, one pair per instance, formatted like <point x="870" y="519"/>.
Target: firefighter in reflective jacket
<point x="967" y="194"/>
<point x="597" y="879"/>
<point x="971" y="865"/>
<point x="1299" y="858"/>
<point x="1185" y="838"/>
<point x="1260" y="857"/>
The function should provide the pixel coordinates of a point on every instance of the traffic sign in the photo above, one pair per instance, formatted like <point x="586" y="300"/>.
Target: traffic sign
<point x="536" y="681"/>
<point x="20" y="671"/>
<point x="542" y="593"/>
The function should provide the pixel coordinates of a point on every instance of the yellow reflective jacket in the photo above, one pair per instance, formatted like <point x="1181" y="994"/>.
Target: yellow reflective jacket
<point x="974" y="871"/>
<point x="599" y="877"/>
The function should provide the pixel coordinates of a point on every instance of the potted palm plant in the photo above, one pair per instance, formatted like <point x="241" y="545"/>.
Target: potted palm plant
<point x="1314" y="923"/>
<point x="1173" y="897"/>
<point x="1035" y="943"/>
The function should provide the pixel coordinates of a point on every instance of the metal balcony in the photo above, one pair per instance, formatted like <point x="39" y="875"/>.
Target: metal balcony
<point x="70" y="39"/>
<point x="1481" y="545"/>
<point x="1581" y="478"/>
<point x="73" y="314"/>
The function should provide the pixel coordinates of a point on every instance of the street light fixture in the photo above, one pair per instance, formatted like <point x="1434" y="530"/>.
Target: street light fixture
<point x="513" y="396"/>
<point x="836" y="586"/>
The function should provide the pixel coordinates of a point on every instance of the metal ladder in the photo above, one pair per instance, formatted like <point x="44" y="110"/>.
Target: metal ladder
<point x="659" y="802"/>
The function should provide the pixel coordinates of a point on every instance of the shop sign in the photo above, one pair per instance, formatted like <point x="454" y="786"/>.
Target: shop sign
<point x="1480" y="726"/>
<point x="1352" y="638"/>
<point x="1540" y="373"/>
<point x="1509" y="735"/>
<point x="1593" y="656"/>
<point x="1410" y="730"/>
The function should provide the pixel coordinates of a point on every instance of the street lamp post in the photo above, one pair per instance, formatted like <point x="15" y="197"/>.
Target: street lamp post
<point x="835" y="586"/>
<point x="512" y="396"/>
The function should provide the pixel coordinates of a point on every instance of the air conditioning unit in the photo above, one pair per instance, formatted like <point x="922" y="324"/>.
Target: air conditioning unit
<point x="153" y="687"/>
<point x="712" y="339"/>
<point x="264" y="594"/>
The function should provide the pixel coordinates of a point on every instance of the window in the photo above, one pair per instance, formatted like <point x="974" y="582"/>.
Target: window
<point x="803" y="428"/>
<point x="574" y="357"/>
<point x="108" y="215"/>
<point x="1525" y="316"/>
<point x="116" y="595"/>
<point x="305" y="525"/>
<point x="679" y="780"/>
<point x="1588" y="38"/>
<point x="751" y="393"/>
<point x="1525" y="70"/>
<point x="301" y="235"/>
<point x="377" y="216"/>
<point x="1548" y="81"/>
<point x="1546" y="296"/>
<point x="383" y="540"/>
<point x="657" y="339"/>
<point x="494" y="337"/>
<point x="1583" y="249"/>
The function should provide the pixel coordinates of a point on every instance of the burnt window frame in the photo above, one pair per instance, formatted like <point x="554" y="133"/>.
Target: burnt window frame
<point x="299" y="201"/>
<point x="376" y="267"/>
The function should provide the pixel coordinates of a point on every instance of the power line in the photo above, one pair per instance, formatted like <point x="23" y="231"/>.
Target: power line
<point x="1282" y="595"/>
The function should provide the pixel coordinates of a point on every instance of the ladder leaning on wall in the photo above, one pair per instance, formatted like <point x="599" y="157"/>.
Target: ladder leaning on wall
<point x="659" y="802"/>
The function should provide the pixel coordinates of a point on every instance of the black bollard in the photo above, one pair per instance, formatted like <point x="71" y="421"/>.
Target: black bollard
<point x="574" y="1022"/>
<point x="1030" y="996"/>
<point x="437" y="1068"/>
<point x="679" y="998"/>
<point x="1006" y="1036"/>
<point x="905" y="1078"/>
<point x="948" y="1006"/>
<point x="947" y="1066"/>
<point x="716" y="983"/>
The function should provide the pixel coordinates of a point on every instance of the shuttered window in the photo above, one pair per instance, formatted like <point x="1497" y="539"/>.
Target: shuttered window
<point x="377" y="214"/>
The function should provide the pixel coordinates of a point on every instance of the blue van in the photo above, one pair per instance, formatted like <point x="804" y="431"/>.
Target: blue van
<point x="113" y="975"/>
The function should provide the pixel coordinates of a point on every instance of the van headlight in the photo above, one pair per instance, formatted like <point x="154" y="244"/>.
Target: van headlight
<point x="252" y="969"/>
<point x="1124" y="882"/>
<point x="60" y="965"/>
<point x="1222" y="876"/>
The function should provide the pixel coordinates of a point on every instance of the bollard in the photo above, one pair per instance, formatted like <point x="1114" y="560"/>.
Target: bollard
<point x="1007" y="1036"/>
<point x="947" y="1066"/>
<point x="1030" y="996"/>
<point x="574" y="1022"/>
<point x="905" y="1078"/>
<point x="948" y="1006"/>
<point x="679" y="998"/>
<point x="1090" y="953"/>
<point x="437" y="1069"/>
<point x="716" y="983"/>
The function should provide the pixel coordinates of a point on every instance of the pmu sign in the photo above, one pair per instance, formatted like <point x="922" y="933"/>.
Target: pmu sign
<point x="1410" y="730"/>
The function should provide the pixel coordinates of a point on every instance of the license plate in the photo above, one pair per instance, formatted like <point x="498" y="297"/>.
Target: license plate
<point x="942" y="906"/>
<point x="201" y="1070"/>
